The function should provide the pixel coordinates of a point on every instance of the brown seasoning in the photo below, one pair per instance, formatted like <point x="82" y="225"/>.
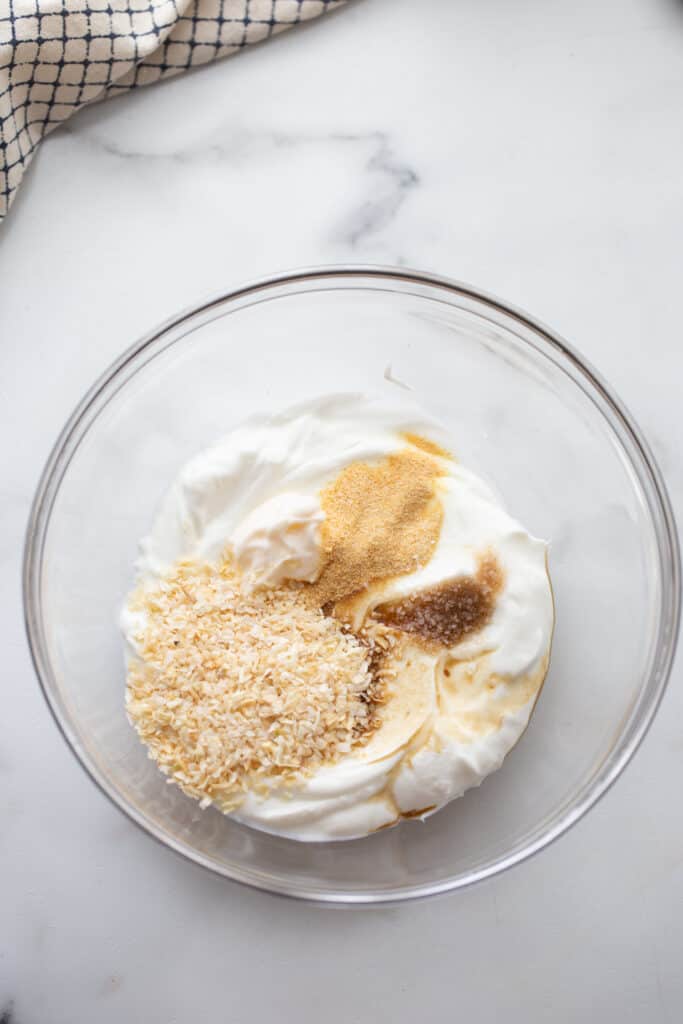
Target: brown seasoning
<point x="450" y="611"/>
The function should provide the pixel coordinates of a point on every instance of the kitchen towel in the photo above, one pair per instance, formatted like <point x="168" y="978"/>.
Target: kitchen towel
<point x="59" y="55"/>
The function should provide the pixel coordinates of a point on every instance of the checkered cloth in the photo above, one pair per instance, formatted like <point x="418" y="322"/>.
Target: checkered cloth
<point x="58" y="55"/>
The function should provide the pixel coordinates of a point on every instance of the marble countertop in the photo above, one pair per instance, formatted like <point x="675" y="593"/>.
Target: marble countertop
<point x="532" y="149"/>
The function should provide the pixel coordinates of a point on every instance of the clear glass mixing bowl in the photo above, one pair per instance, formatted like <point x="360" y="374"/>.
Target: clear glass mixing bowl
<point x="523" y="409"/>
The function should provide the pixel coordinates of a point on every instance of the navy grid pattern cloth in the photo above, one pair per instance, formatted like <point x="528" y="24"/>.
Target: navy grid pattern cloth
<point x="58" y="55"/>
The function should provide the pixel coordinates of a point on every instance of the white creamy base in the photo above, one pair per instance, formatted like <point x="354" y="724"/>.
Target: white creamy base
<point x="452" y="717"/>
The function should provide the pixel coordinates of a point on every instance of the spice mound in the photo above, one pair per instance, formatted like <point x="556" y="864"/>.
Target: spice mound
<point x="450" y="611"/>
<point x="236" y="691"/>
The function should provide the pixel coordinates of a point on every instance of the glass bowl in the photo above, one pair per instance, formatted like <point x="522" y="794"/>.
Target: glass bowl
<point x="523" y="409"/>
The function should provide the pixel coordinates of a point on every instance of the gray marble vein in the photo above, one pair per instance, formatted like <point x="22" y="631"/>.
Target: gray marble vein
<point x="387" y="179"/>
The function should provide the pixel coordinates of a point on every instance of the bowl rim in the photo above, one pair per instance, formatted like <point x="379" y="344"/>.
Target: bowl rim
<point x="641" y="461"/>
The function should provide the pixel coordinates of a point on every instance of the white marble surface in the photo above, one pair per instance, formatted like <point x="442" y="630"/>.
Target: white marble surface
<point x="532" y="148"/>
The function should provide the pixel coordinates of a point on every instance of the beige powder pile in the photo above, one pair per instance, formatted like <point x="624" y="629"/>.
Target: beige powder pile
<point x="233" y="692"/>
<point x="381" y="520"/>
